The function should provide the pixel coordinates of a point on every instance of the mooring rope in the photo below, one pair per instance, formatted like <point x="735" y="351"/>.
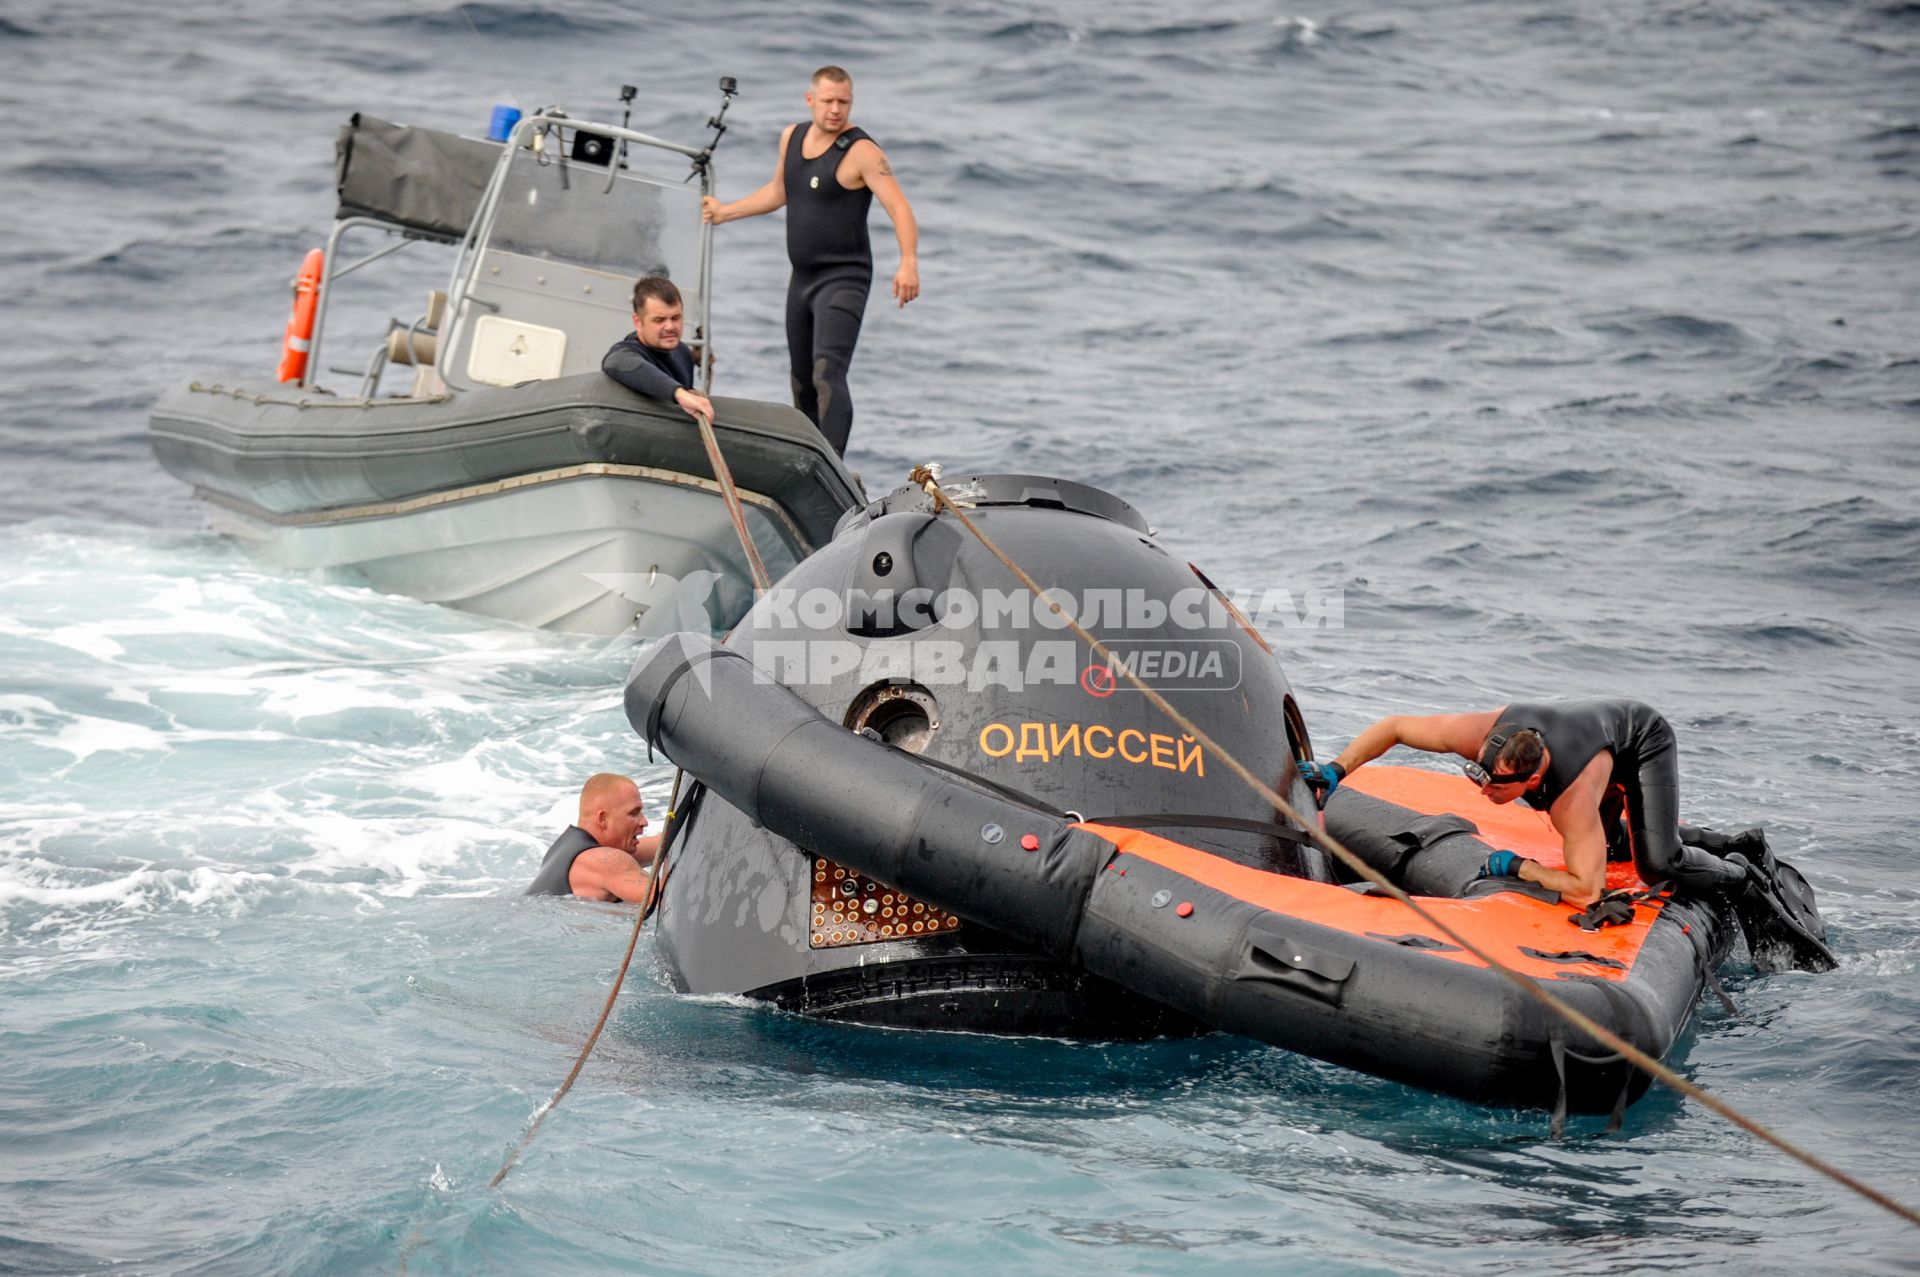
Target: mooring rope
<point x="761" y="580"/>
<point x="640" y="916"/>
<point x="928" y="478"/>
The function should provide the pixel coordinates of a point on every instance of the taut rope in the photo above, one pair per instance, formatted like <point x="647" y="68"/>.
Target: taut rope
<point x="761" y="580"/>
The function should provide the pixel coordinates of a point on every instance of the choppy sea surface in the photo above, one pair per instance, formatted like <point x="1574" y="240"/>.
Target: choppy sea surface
<point x="1576" y="344"/>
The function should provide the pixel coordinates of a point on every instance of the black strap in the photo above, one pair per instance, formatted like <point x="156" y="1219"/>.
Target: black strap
<point x="663" y="863"/>
<point x="667" y="685"/>
<point x="1624" y="1009"/>
<point x="1719" y="990"/>
<point x="1618" y="1118"/>
<point x="1573" y="955"/>
<point x="1557" y="1048"/>
<point x="1166" y="820"/>
<point x="1005" y="791"/>
<point x="1615" y="909"/>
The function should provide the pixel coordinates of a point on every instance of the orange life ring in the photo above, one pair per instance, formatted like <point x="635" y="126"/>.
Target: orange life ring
<point x="306" y="303"/>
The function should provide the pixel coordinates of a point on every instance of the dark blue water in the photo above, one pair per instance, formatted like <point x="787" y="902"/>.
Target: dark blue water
<point x="1578" y="346"/>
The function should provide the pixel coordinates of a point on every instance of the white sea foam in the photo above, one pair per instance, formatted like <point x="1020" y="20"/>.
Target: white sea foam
<point x="488" y="793"/>
<point x="1303" y="30"/>
<point x="38" y="882"/>
<point x="377" y="857"/>
<point x="57" y="914"/>
<point x="88" y="640"/>
<point x="22" y="714"/>
<point x="298" y="694"/>
<point x="36" y="720"/>
<point x="1896" y="965"/>
<point x="406" y="850"/>
<point x="86" y="735"/>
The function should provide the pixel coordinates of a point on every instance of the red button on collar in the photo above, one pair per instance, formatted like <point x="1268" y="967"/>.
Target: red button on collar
<point x="1029" y="842"/>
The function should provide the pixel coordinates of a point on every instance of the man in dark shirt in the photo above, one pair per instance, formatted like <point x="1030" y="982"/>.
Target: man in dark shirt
<point x="604" y="857"/>
<point x="827" y="175"/>
<point x="1595" y="767"/>
<point x="653" y="361"/>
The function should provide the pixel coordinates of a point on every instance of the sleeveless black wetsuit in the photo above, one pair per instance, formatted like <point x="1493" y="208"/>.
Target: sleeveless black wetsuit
<point x="552" y="878"/>
<point x="1644" y="787"/>
<point x="832" y="270"/>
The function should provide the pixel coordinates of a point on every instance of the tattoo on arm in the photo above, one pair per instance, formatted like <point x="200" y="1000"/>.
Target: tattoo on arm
<point x="886" y="169"/>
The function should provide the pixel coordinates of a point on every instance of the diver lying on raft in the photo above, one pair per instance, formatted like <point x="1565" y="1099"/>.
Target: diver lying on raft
<point x="605" y="856"/>
<point x="1595" y="767"/>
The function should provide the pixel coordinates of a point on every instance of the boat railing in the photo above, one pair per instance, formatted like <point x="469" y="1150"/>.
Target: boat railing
<point x="330" y="274"/>
<point x="538" y="285"/>
<point x="554" y="244"/>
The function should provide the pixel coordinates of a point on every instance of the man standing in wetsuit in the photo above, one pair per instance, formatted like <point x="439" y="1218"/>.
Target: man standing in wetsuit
<point x="652" y="360"/>
<point x="827" y="176"/>
<point x="1586" y="764"/>
<point x="604" y="857"/>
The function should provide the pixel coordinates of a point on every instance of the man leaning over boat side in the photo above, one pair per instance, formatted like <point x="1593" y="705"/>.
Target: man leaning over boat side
<point x="1603" y="770"/>
<point x="653" y="361"/>
<point x="604" y="857"/>
<point x="826" y="174"/>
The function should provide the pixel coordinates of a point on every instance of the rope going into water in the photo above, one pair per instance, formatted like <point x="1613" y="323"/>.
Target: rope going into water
<point x="640" y="917"/>
<point x="761" y="582"/>
<point x="927" y="478"/>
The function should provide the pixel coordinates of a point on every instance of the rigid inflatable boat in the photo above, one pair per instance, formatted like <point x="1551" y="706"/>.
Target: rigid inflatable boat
<point x="866" y="843"/>
<point x="508" y="477"/>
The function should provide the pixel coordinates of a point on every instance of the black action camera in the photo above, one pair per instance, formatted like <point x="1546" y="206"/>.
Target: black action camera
<point x="591" y="148"/>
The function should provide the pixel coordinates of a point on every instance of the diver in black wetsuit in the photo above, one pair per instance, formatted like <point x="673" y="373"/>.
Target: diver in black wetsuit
<point x="1604" y="770"/>
<point x="827" y="177"/>
<point x="652" y="360"/>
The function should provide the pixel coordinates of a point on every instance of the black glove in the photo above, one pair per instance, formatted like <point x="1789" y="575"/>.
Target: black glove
<point x="1755" y="880"/>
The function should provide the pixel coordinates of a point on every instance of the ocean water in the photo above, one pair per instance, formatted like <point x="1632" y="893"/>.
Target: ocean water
<point x="1577" y="345"/>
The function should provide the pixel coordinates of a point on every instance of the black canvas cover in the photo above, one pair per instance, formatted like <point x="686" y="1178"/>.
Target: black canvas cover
<point x="422" y="179"/>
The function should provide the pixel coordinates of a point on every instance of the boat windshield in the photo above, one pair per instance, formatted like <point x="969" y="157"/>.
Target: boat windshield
<point x="568" y="212"/>
<point x="546" y="285"/>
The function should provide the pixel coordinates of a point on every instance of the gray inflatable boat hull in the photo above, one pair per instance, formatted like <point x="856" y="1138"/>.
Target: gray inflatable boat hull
<point x="570" y="504"/>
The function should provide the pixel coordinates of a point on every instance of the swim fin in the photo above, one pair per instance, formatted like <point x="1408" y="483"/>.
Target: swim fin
<point x="1777" y="912"/>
